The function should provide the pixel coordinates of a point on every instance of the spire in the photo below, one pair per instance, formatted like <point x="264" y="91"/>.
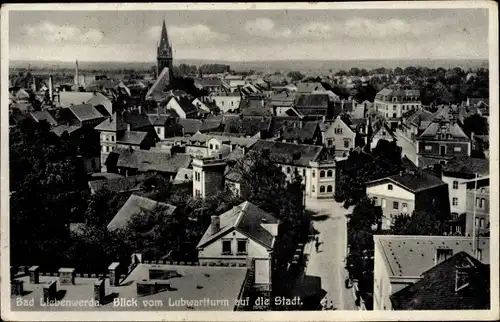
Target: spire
<point x="164" y="43"/>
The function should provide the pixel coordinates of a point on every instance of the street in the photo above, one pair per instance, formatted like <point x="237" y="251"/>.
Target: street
<point x="408" y="149"/>
<point x="328" y="263"/>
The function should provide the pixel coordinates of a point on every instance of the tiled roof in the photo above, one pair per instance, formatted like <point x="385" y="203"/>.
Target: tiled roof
<point x="104" y="83"/>
<point x="454" y="129"/>
<point x="208" y="82"/>
<point x="301" y="131"/>
<point x="186" y="105"/>
<point x="408" y="255"/>
<point x="112" y="124"/>
<point x="309" y="87"/>
<point x="289" y="153"/>
<point x="144" y="160"/>
<point x="60" y="129"/>
<point x="413" y="181"/>
<point x="74" y="98"/>
<point x="248" y="219"/>
<point x="160" y="83"/>
<point x="136" y="121"/>
<point x="283" y="99"/>
<point x="132" y="137"/>
<point x="421" y="119"/>
<point x="312" y="100"/>
<point x="136" y="205"/>
<point x="190" y="126"/>
<point x="158" y="119"/>
<point x="398" y="92"/>
<point x="468" y="165"/>
<point x="43" y="115"/>
<point x="227" y="139"/>
<point x="85" y="112"/>
<point x="99" y="99"/>
<point x="184" y="175"/>
<point x="124" y="184"/>
<point x="248" y="125"/>
<point x="437" y="290"/>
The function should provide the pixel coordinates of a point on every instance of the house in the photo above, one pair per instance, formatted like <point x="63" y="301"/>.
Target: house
<point x="183" y="176"/>
<point x="409" y="191"/>
<point x="131" y="162"/>
<point x="82" y="114"/>
<point x="244" y="234"/>
<point x="200" y="105"/>
<point x="183" y="107"/>
<point x="416" y="123"/>
<point x="381" y="131"/>
<point x="442" y="140"/>
<point x="461" y="282"/>
<point x="315" y="164"/>
<point x="477" y="206"/>
<point x="258" y="126"/>
<point x="393" y="102"/>
<point x="74" y="98"/>
<point x="159" y="122"/>
<point x="44" y="115"/>
<point x="309" y="88"/>
<point x="227" y="102"/>
<point x="281" y="103"/>
<point x="138" y="206"/>
<point x="315" y="105"/>
<point x="301" y="132"/>
<point x="400" y="261"/>
<point x="216" y="143"/>
<point x="455" y="173"/>
<point x="118" y="185"/>
<point x="340" y="136"/>
<point x="213" y="86"/>
<point x="102" y="103"/>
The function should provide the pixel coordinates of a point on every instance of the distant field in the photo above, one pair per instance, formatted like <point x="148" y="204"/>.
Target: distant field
<point x="261" y="66"/>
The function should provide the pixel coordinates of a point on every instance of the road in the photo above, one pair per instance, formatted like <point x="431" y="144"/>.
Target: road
<point x="408" y="149"/>
<point x="329" y="263"/>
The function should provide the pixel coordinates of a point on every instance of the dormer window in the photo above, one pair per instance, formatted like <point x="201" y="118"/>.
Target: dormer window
<point x="389" y="187"/>
<point x="443" y="254"/>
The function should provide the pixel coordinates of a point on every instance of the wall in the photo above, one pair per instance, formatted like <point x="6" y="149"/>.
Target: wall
<point x="216" y="145"/>
<point x="480" y="212"/>
<point x="397" y="194"/>
<point x="382" y="288"/>
<point x="173" y="105"/>
<point x="338" y="139"/>
<point x="434" y="200"/>
<point x="388" y="109"/>
<point x="227" y="103"/>
<point x="160" y="131"/>
<point x="460" y="194"/>
<point x="201" y="151"/>
<point x="450" y="148"/>
<point x="108" y="144"/>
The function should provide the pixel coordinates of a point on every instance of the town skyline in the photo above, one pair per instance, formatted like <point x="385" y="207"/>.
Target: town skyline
<point x="253" y="35"/>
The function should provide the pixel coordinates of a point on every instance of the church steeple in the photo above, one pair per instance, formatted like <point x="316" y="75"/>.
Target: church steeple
<point x="164" y="51"/>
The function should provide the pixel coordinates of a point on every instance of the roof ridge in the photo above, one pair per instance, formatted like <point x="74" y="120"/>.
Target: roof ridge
<point x="242" y="212"/>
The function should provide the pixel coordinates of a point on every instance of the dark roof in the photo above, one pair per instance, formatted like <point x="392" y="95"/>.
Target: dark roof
<point x="136" y="205"/>
<point x="136" y="121"/>
<point x="85" y="112"/>
<point x="186" y="105"/>
<point x="437" y="290"/>
<point x="144" y="160"/>
<point x="119" y="184"/>
<point x="299" y="131"/>
<point x="289" y="153"/>
<point x="312" y="101"/>
<point x="413" y="180"/>
<point x="158" y="119"/>
<point x="43" y="116"/>
<point x="190" y="126"/>
<point x="248" y="219"/>
<point x="112" y="124"/>
<point x="309" y="87"/>
<point x="468" y="165"/>
<point x="60" y="129"/>
<point x="132" y="137"/>
<point x="208" y="82"/>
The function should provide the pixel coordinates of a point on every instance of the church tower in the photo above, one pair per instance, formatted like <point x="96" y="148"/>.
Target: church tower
<point x="164" y="54"/>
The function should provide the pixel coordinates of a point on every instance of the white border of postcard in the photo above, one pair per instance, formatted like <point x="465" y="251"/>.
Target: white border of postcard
<point x="492" y="314"/>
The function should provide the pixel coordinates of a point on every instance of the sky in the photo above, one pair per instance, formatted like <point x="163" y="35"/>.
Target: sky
<point x="250" y="35"/>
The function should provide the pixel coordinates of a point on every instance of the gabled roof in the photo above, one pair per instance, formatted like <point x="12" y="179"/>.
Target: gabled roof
<point x="85" y="112"/>
<point x="468" y="165"/>
<point x="60" y="129"/>
<point x="301" y="131"/>
<point x="248" y="125"/>
<point x="75" y="98"/>
<point x="125" y="184"/>
<point x="43" y="116"/>
<point x="112" y="124"/>
<point x="420" y="119"/>
<point x="158" y="120"/>
<point x="413" y="181"/>
<point x="132" y="137"/>
<point x="184" y="175"/>
<point x="453" y="128"/>
<point x="246" y="218"/>
<point x="144" y="160"/>
<point x="136" y="205"/>
<point x="160" y="83"/>
<point x="190" y="126"/>
<point x="289" y="153"/>
<point x="310" y="87"/>
<point x="186" y="105"/>
<point x="437" y="289"/>
<point x="22" y="94"/>
<point x="312" y="100"/>
<point x="99" y="99"/>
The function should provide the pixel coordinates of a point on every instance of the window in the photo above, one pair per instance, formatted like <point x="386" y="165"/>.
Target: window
<point x="405" y="207"/>
<point x="313" y="173"/>
<point x="322" y="189"/>
<point x="197" y="176"/>
<point x="313" y="189"/>
<point x="288" y="170"/>
<point x="329" y="173"/>
<point x="455" y="201"/>
<point x="242" y="247"/>
<point x="322" y="174"/>
<point x="428" y="148"/>
<point x="478" y="202"/>
<point x="383" y="203"/>
<point x="197" y="193"/>
<point x="443" y="254"/>
<point x="217" y="147"/>
<point x="211" y="146"/>
<point x="107" y="148"/>
<point x="455" y="185"/>
<point x="375" y="201"/>
<point x="476" y="222"/>
<point x="483" y="203"/>
<point x="457" y="149"/>
<point x="389" y="187"/>
<point x="479" y="254"/>
<point x="329" y="189"/>
<point x="304" y="172"/>
<point x="346" y="143"/>
<point x="226" y="247"/>
<point x="395" y="205"/>
<point x="113" y="138"/>
<point x="232" y="103"/>
<point x="481" y="222"/>
<point x="158" y="130"/>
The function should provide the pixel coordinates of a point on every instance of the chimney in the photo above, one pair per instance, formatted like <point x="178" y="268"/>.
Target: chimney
<point x="472" y="136"/>
<point x="140" y="109"/>
<point x="51" y="90"/>
<point x="128" y="127"/>
<point x="77" y="79"/>
<point x="214" y="224"/>
<point x="301" y="124"/>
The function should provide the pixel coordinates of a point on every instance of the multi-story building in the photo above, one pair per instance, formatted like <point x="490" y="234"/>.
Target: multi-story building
<point x="340" y="136"/>
<point x="406" y="192"/>
<point x="442" y="140"/>
<point x="455" y="173"/>
<point x="227" y="101"/>
<point x="208" y="176"/>
<point x="392" y="103"/>
<point x="478" y="207"/>
<point x="399" y="261"/>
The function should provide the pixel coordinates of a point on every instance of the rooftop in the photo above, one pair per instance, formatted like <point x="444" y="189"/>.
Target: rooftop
<point x="437" y="290"/>
<point x="467" y="165"/>
<point x="43" y="116"/>
<point x="144" y="160"/>
<point x="289" y="153"/>
<point x="310" y="87"/>
<point x="132" y="137"/>
<point x="248" y="219"/>
<point x="136" y="205"/>
<point x="184" y="175"/>
<point x="75" y="98"/>
<point x="123" y="184"/>
<point x="410" y="256"/>
<point x="85" y="112"/>
<point x="412" y="180"/>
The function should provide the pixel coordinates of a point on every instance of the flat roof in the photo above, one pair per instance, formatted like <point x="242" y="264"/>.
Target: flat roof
<point x="214" y="288"/>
